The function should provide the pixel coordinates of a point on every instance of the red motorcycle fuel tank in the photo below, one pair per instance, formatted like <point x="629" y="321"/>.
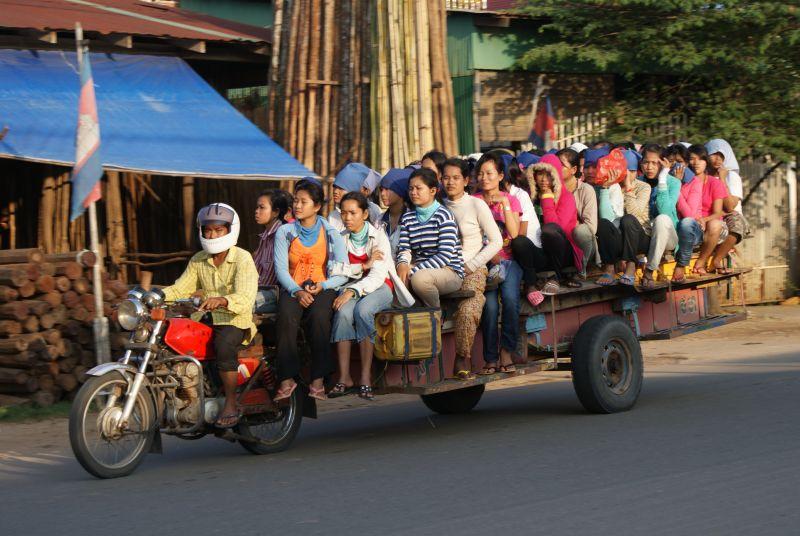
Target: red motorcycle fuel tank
<point x="187" y="337"/>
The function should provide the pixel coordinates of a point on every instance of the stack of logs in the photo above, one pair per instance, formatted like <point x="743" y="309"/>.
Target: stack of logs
<point x="46" y="312"/>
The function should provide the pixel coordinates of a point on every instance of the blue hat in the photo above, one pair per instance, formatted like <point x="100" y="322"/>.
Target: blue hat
<point x="396" y="180"/>
<point x="526" y="159"/>
<point x="352" y="176"/>
<point x="591" y="156"/>
<point x="506" y="158"/>
<point x="632" y="158"/>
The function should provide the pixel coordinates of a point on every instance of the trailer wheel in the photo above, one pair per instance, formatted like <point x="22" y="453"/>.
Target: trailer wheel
<point x="607" y="365"/>
<point x="456" y="401"/>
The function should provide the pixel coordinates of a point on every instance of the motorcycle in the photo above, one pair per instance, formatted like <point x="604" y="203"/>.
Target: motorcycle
<point x="167" y="382"/>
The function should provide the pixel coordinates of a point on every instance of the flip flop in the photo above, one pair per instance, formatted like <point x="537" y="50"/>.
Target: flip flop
<point x="606" y="280"/>
<point x="551" y="288"/>
<point x="236" y="416"/>
<point x="284" y="394"/>
<point x="627" y="280"/>
<point x="464" y="375"/>
<point x="341" y="389"/>
<point x="535" y="297"/>
<point x="365" y="392"/>
<point x="508" y="369"/>
<point x="488" y="370"/>
<point x="317" y="394"/>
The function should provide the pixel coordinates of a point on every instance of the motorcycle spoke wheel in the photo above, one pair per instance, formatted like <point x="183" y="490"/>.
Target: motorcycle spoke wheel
<point x="276" y="434"/>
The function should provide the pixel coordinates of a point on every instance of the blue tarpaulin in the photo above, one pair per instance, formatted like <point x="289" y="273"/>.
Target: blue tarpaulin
<point x="156" y="116"/>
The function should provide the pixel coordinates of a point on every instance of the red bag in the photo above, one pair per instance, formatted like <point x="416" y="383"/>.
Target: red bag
<point x="614" y="160"/>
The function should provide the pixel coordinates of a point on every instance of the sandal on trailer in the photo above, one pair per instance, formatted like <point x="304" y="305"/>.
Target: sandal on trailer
<point x="551" y="288"/>
<point x="535" y="297"/>
<point x="627" y="280"/>
<point x="220" y="422"/>
<point x="318" y="394"/>
<point x="464" y="375"/>
<point x="365" y="392"/>
<point x="488" y="370"/>
<point x="283" y="394"/>
<point x="606" y="280"/>
<point x="508" y="369"/>
<point x="341" y="389"/>
<point x="647" y="282"/>
<point x="573" y="283"/>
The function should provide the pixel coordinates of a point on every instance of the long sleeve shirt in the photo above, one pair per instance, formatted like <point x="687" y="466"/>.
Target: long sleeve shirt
<point x="565" y="215"/>
<point x="475" y="223"/>
<point x="664" y="195"/>
<point x="586" y="204"/>
<point x="432" y="244"/>
<point x="637" y="203"/>
<point x="337" y="252"/>
<point x="236" y="280"/>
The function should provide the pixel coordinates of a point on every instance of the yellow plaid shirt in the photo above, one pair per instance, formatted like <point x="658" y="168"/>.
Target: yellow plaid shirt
<point x="236" y="280"/>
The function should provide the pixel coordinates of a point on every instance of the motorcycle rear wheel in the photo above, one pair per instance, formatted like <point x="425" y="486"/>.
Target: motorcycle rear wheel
<point x="274" y="436"/>
<point x="90" y="419"/>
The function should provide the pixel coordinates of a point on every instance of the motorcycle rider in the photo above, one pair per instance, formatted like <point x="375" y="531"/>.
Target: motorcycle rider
<point x="226" y="277"/>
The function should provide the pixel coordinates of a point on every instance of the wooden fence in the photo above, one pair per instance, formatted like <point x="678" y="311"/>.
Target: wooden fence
<point x="593" y="126"/>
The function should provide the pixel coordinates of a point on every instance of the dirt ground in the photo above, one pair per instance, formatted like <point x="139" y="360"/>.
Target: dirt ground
<point x="769" y="330"/>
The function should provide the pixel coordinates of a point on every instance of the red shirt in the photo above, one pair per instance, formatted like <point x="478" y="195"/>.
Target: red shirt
<point x="361" y="259"/>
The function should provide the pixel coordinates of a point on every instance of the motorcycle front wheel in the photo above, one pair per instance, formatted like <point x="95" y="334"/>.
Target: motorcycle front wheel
<point x="99" y="446"/>
<point x="274" y="435"/>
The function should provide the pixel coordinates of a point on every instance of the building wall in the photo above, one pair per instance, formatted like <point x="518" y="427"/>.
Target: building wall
<point x="255" y="12"/>
<point x="504" y="110"/>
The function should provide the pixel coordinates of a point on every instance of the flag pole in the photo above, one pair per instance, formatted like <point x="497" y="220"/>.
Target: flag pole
<point x="100" y="322"/>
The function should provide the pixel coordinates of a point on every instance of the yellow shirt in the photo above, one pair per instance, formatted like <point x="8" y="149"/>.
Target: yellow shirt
<point x="236" y="280"/>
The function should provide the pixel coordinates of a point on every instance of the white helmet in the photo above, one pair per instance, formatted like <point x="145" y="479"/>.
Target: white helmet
<point x="218" y="213"/>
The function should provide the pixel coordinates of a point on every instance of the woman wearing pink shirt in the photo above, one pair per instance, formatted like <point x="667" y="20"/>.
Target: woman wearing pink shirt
<point x="559" y="218"/>
<point x="700" y="207"/>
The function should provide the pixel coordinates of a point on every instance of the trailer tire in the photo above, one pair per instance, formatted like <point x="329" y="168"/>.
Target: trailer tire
<point x="456" y="401"/>
<point x="607" y="368"/>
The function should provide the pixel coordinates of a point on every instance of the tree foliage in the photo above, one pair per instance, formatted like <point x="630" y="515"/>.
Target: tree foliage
<point x="733" y="67"/>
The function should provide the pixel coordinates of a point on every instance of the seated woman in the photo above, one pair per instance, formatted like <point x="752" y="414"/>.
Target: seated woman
<point x="369" y="292"/>
<point x="429" y="253"/>
<point x="559" y="217"/>
<point x="586" y="204"/>
<point x="271" y="209"/>
<point x="352" y="178"/>
<point x="726" y="167"/>
<point x="701" y="207"/>
<point x="632" y="237"/>
<point x="394" y="195"/>
<point x="304" y="251"/>
<point x="480" y="242"/>
<point x="506" y="211"/>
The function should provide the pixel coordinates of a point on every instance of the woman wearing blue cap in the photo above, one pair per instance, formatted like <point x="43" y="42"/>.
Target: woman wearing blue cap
<point x="352" y="178"/>
<point x="394" y="195"/>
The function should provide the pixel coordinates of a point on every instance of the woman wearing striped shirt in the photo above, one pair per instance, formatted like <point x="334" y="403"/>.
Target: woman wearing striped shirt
<point x="271" y="209"/>
<point x="429" y="253"/>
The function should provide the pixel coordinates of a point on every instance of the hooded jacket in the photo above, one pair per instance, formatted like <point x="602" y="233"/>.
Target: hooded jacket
<point x="560" y="209"/>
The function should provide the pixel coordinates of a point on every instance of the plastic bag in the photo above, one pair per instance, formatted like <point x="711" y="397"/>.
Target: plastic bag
<point x="614" y="160"/>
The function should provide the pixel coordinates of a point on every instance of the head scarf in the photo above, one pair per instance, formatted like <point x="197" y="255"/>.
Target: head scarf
<point x="591" y="156"/>
<point x="526" y="159"/>
<point x="396" y="180"/>
<point x="352" y="176"/>
<point x="718" y="145"/>
<point x="632" y="158"/>
<point x="372" y="180"/>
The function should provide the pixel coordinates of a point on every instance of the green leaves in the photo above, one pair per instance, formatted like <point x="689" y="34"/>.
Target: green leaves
<point x="733" y="67"/>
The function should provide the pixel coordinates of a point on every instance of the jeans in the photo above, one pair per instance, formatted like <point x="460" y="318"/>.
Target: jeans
<point x="509" y="293"/>
<point x="690" y="234"/>
<point x="355" y="321"/>
<point x="266" y="300"/>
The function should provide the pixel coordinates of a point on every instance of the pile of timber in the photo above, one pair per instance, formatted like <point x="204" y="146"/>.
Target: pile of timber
<point x="46" y="312"/>
<point x="360" y="80"/>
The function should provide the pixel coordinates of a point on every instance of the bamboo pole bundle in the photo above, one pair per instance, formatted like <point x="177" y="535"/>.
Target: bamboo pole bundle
<point x="424" y="78"/>
<point x="327" y="73"/>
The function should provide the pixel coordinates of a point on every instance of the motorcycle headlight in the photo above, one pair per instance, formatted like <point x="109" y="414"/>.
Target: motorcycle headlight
<point x="130" y="313"/>
<point x="136" y="293"/>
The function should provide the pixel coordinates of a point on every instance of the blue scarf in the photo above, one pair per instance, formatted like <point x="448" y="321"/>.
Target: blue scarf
<point x="360" y="238"/>
<point x="308" y="235"/>
<point x="425" y="213"/>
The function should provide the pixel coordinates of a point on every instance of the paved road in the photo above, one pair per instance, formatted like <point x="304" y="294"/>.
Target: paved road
<point x="713" y="447"/>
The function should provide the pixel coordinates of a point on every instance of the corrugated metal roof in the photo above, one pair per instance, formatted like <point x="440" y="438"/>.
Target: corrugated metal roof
<point x="125" y="17"/>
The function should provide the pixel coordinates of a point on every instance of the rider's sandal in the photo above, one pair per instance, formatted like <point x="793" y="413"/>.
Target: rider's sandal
<point x="365" y="392"/>
<point x="340" y="389"/>
<point x="235" y="416"/>
<point x="284" y="394"/>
